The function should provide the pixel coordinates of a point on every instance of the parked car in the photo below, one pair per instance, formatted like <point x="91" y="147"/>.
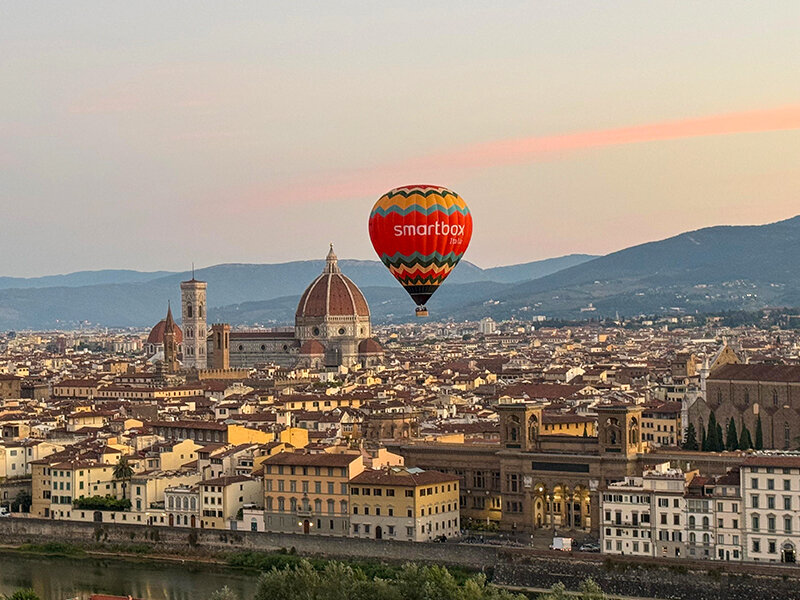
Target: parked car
<point x="589" y="548"/>
<point x="440" y="538"/>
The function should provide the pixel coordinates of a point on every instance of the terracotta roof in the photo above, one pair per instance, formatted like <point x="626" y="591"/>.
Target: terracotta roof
<point x="157" y="333"/>
<point x="758" y="372"/>
<point x="324" y="459"/>
<point x="332" y="294"/>
<point x="369" y="346"/>
<point x="401" y="477"/>
<point x="312" y="347"/>
<point x="778" y="460"/>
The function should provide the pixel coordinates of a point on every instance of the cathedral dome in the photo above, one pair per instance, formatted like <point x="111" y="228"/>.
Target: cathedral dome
<point x="332" y="295"/>
<point x="157" y="333"/>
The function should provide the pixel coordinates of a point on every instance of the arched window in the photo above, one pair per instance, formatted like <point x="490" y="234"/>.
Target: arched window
<point x="719" y="396"/>
<point x="281" y="504"/>
<point x="692" y="537"/>
<point x="747" y="396"/>
<point x="194" y="503"/>
<point x="533" y="428"/>
<point x="706" y="539"/>
<point x="171" y="502"/>
<point x="318" y="506"/>
<point x="268" y="503"/>
<point x="343" y="507"/>
<point x="705" y="522"/>
<point x="775" y="397"/>
<point x="185" y="503"/>
<point x="633" y="432"/>
<point x="200" y="311"/>
<point x="306" y="504"/>
<point x="189" y="312"/>
<point x="293" y="504"/>
<point x="691" y="522"/>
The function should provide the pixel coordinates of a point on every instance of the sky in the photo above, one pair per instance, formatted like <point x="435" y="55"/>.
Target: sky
<point x="150" y="135"/>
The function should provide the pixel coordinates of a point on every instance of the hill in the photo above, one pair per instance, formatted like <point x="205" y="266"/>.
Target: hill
<point x="711" y="269"/>
<point x="134" y="299"/>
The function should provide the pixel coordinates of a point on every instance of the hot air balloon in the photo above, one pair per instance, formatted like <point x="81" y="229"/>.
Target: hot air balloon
<point x="420" y="232"/>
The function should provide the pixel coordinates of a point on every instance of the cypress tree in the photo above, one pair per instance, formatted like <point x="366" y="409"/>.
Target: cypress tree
<point x="745" y="441"/>
<point x="720" y="439"/>
<point x="759" y="435"/>
<point x="703" y="441"/>
<point x="711" y="434"/>
<point x="690" y="443"/>
<point x="585" y="431"/>
<point x="732" y="440"/>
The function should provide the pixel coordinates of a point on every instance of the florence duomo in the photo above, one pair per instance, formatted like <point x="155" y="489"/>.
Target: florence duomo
<point x="332" y="329"/>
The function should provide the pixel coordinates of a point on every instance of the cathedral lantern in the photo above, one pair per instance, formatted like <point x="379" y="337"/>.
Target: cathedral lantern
<point x="420" y="232"/>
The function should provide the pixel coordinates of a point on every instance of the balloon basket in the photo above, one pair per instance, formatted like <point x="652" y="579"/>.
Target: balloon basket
<point x="422" y="311"/>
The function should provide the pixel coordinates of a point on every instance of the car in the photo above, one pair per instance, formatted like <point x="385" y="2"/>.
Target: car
<point x="589" y="548"/>
<point x="440" y="539"/>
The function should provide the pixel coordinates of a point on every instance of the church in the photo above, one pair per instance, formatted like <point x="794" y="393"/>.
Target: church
<point x="332" y="329"/>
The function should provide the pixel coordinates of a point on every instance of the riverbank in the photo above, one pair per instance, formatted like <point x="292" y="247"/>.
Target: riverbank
<point x="532" y="569"/>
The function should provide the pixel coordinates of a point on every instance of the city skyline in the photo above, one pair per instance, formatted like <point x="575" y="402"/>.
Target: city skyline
<point x="158" y="136"/>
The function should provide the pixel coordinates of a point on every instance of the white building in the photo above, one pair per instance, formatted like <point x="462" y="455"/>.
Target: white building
<point x="644" y="516"/>
<point x="771" y="497"/>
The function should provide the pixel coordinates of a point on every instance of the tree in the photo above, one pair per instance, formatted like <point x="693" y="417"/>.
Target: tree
<point x="224" y="593"/>
<point x="123" y="472"/>
<point x="703" y="441"/>
<point x="22" y="501"/>
<point x="745" y="441"/>
<point x="585" y="430"/>
<point x="759" y="435"/>
<point x="711" y="435"/>
<point x="732" y="439"/>
<point x="690" y="442"/>
<point x="22" y="594"/>
<point x="589" y="590"/>
<point x="720" y="439"/>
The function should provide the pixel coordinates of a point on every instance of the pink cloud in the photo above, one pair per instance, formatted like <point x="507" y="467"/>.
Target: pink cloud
<point x="375" y="181"/>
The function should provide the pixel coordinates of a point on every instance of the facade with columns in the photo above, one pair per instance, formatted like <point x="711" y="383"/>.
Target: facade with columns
<point x="535" y="480"/>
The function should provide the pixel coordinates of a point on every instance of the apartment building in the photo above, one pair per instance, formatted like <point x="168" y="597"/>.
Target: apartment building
<point x="308" y="493"/>
<point x="644" y="516"/>
<point x="404" y="504"/>
<point x="770" y="486"/>
<point x="222" y="498"/>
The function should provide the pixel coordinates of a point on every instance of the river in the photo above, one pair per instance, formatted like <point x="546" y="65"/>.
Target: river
<point x="57" y="578"/>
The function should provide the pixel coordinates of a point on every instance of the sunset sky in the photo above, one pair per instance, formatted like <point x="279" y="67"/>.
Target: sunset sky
<point x="148" y="135"/>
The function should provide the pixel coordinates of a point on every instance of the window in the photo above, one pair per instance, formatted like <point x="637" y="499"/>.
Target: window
<point x="787" y="524"/>
<point x="754" y="500"/>
<point x="754" y="483"/>
<point x="787" y="485"/>
<point x="756" y="522"/>
<point x="756" y="545"/>
<point x="787" y="503"/>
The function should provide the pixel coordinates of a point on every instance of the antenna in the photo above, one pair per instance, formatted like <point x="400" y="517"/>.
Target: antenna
<point x="192" y="269"/>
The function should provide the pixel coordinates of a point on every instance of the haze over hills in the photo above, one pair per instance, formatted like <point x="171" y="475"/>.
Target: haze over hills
<point x="711" y="269"/>
<point x="122" y="298"/>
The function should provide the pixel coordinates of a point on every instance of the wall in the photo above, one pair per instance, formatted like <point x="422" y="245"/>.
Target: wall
<point x="640" y="578"/>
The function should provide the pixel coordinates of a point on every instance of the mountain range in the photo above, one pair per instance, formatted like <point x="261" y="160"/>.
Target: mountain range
<point x="707" y="270"/>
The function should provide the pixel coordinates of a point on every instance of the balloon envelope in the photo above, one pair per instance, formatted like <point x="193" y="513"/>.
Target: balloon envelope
<point x="420" y="232"/>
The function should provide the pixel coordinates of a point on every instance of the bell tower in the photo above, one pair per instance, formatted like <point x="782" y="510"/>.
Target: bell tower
<point x="619" y="429"/>
<point x="520" y="425"/>
<point x="170" y="345"/>
<point x="193" y="323"/>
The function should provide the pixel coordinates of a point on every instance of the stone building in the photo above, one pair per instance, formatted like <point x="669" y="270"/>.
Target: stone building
<point x="332" y="329"/>
<point x="193" y="322"/>
<point x="534" y="480"/>
<point x="746" y="392"/>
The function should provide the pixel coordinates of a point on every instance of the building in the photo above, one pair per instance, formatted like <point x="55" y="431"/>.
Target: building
<point x="534" y="481"/>
<point x="644" y="516"/>
<point x="770" y="485"/>
<point x="193" y="323"/>
<point x="308" y="493"/>
<point x="10" y="386"/>
<point x="332" y="329"/>
<point x="661" y="424"/>
<point x="748" y="393"/>
<point x="221" y="499"/>
<point x="397" y="503"/>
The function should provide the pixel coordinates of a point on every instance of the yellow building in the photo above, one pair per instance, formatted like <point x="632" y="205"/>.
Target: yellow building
<point x="221" y="499"/>
<point x="77" y="479"/>
<point x="404" y="504"/>
<point x="569" y="424"/>
<point x="308" y="493"/>
<point x="662" y="424"/>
